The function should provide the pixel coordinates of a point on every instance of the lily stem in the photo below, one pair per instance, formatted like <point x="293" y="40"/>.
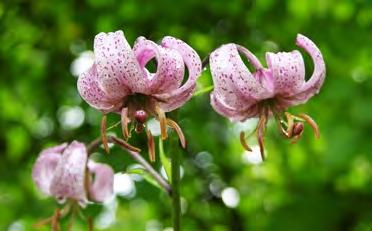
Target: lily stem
<point x="176" y="201"/>
<point x="136" y="156"/>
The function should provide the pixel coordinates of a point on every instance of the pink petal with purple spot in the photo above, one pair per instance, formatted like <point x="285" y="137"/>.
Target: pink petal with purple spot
<point x="90" y="91"/>
<point x="118" y="71"/>
<point x="69" y="176"/>
<point x="102" y="186"/>
<point x="234" y="114"/>
<point x="313" y="85"/>
<point x="179" y="96"/>
<point x="234" y="85"/>
<point x="44" y="167"/>
<point x="170" y="67"/>
<point x="287" y="70"/>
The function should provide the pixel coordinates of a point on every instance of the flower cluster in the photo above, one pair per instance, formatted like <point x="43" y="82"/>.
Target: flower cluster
<point x="119" y="82"/>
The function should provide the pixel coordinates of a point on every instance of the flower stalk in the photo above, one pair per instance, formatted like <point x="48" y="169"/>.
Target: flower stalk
<point x="176" y="200"/>
<point x="136" y="156"/>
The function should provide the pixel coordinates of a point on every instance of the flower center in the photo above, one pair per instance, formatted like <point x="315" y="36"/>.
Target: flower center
<point x="290" y="125"/>
<point x="135" y="112"/>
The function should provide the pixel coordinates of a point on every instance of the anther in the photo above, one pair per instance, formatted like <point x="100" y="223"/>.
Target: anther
<point x="178" y="130"/>
<point x="298" y="128"/>
<point x="244" y="142"/>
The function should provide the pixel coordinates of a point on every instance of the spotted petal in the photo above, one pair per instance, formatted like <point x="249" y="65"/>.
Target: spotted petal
<point x="179" y="96"/>
<point x="233" y="82"/>
<point x="170" y="67"/>
<point x="101" y="188"/>
<point x="118" y="70"/>
<point x="234" y="114"/>
<point x="44" y="168"/>
<point x="91" y="92"/>
<point x="69" y="176"/>
<point x="287" y="70"/>
<point x="313" y="85"/>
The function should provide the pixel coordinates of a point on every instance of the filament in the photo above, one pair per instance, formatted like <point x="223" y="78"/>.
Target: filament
<point x="103" y="133"/>
<point x="178" y="130"/>
<point x="162" y="119"/>
<point x="124" y="123"/>
<point x="244" y="142"/>
<point x="312" y="123"/>
<point x="150" y="145"/>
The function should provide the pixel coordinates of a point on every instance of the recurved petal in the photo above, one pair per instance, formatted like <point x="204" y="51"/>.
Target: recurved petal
<point x="234" y="114"/>
<point x="101" y="187"/>
<point x="313" y="85"/>
<point x="69" y="176"/>
<point x="44" y="167"/>
<point x="176" y="98"/>
<point x="170" y="67"/>
<point x="233" y="82"/>
<point x="287" y="70"/>
<point x="91" y="92"/>
<point x="118" y="70"/>
<point x="55" y="149"/>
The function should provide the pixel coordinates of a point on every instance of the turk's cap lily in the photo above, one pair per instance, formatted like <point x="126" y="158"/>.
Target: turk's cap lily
<point x="65" y="172"/>
<point x="239" y="94"/>
<point x="119" y="82"/>
<point x="120" y="71"/>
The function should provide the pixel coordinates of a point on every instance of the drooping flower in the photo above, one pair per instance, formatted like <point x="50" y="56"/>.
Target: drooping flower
<point x="239" y="94"/>
<point x="119" y="82"/>
<point x="66" y="173"/>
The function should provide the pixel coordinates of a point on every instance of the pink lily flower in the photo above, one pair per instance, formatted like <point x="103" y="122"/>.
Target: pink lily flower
<point x="119" y="81"/>
<point x="65" y="173"/>
<point x="239" y="94"/>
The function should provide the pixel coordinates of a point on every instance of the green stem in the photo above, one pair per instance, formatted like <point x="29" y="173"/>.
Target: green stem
<point x="176" y="201"/>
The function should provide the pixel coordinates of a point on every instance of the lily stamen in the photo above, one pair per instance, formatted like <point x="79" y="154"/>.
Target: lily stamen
<point x="104" y="134"/>
<point x="124" y="123"/>
<point x="150" y="145"/>
<point x="171" y="123"/>
<point x="163" y="121"/>
<point x="297" y="131"/>
<point x="260" y="133"/>
<point x="312" y="123"/>
<point x="55" y="220"/>
<point x="244" y="142"/>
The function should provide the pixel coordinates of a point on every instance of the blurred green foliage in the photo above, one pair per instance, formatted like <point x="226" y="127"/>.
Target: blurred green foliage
<point x="313" y="185"/>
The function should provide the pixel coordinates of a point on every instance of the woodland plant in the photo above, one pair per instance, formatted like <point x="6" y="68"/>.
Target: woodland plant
<point x="119" y="82"/>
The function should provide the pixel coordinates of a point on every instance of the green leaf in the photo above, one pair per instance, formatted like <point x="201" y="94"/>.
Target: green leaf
<point x="139" y="171"/>
<point x="151" y="180"/>
<point x="142" y="172"/>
